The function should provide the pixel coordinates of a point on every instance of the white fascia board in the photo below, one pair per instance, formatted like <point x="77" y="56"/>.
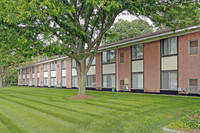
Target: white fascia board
<point x="175" y="33"/>
<point x="43" y="62"/>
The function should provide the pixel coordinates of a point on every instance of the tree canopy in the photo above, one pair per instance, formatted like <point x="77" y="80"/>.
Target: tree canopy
<point x="125" y="29"/>
<point x="75" y="27"/>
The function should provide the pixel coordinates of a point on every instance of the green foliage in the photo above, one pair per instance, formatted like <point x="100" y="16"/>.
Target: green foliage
<point x="11" y="76"/>
<point x="189" y="121"/>
<point x="125" y="29"/>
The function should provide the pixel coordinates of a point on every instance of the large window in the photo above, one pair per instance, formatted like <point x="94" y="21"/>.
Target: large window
<point x="33" y="70"/>
<point x="169" y="80"/>
<point x="109" y="81"/>
<point x="137" y="80"/>
<point x="33" y="81"/>
<point x="27" y="71"/>
<point x="53" y="81"/>
<point x="45" y="81"/>
<point x="193" y="86"/>
<point x="93" y="62"/>
<point x="109" y="56"/>
<point x="137" y="52"/>
<point x="121" y="58"/>
<point x="73" y="63"/>
<point x="23" y="71"/>
<point x="27" y="81"/>
<point x="23" y="82"/>
<point x="169" y="46"/>
<point x="45" y="67"/>
<point x="91" y="80"/>
<point x="64" y="64"/>
<point x="38" y="81"/>
<point x="74" y="81"/>
<point x="194" y="47"/>
<point x="64" y="81"/>
<point x="53" y="66"/>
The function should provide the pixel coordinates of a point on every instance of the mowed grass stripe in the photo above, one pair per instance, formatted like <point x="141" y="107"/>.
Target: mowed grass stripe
<point x="70" y="117"/>
<point x="30" y="118"/>
<point x="8" y="125"/>
<point x="66" y="107"/>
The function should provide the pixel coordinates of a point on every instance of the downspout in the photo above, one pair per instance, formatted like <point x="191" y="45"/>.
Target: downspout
<point x="117" y="70"/>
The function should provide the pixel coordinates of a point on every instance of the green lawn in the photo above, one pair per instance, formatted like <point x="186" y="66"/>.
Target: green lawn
<point x="47" y="110"/>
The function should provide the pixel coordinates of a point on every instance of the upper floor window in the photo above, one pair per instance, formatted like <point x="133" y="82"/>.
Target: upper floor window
<point x="194" y="47"/>
<point x="27" y="71"/>
<point x="38" y="69"/>
<point x="45" y="67"/>
<point x="93" y="62"/>
<point x="137" y="51"/>
<point x="169" y="46"/>
<point x="64" y="64"/>
<point x="53" y="66"/>
<point x="73" y="63"/>
<point x="33" y="70"/>
<point x="23" y="71"/>
<point x="109" y="56"/>
<point x="121" y="58"/>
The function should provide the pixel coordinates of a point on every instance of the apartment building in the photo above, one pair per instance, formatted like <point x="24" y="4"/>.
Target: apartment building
<point x="160" y="62"/>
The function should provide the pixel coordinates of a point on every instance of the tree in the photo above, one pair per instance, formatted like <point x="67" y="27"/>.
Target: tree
<point x="125" y="29"/>
<point x="75" y="27"/>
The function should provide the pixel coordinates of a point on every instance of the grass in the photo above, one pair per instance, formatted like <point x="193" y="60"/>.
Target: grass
<point x="47" y="110"/>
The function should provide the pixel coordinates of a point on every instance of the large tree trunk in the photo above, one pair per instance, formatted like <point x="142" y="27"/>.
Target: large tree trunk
<point x="82" y="75"/>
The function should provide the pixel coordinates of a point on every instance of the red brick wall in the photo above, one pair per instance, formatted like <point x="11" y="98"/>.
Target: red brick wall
<point x="152" y="67"/>
<point x="98" y="71"/>
<point x="124" y="69"/>
<point x="189" y="65"/>
<point x="68" y="73"/>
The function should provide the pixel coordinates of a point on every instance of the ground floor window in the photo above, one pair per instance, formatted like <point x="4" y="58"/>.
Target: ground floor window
<point x="137" y="80"/>
<point x="193" y="84"/>
<point x="74" y="81"/>
<point x="33" y="81"/>
<point x="46" y="81"/>
<point x="169" y="80"/>
<point x="27" y="81"/>
<point x="63" y="81"/>
<point x="53" y="81"/>
<point x="23" y="83"/>
<point x="91" y="80"/>
<point x="109" y="80"/>
<point x="38" y="81"/>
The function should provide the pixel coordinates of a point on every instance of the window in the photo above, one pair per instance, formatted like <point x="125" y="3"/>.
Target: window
<point x="91" y="80"/>
<point x="137" y="80"/>
<point x="109" y="81"/>
<point x="33" y="81"/>
<point x="33" y="70"/>
<point x="64" y="64"/>
<point x="53" y="81"/>
<point x="93" y="62"/>
<point x="27" y="81"/>
<point x="45" y="81"/>
<point x="23" y="71"/>
<point x="45" y="67"/>
<point x="169" y="80"/>
<point x="109" y="56"/>
<point x="193" y="86"/>
<point x="74" y="81"/>
<point x="63" y="81"/>
<point x="169" y="46"/>
<point x="27" y="71"/>
<point x="194" y="47"/>
<point x="73" y="63"/>
<point x="53" y="66"/>
<point x="121" y="58"/>
<point x="38" y="69"/>
<point x="137" y="52"/>
<point x="38" y="81"/>
<point x="23" y="82"/>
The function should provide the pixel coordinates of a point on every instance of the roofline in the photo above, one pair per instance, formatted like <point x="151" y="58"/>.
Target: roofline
<point x="43" y="62"/>
<point x="150" y="38"/>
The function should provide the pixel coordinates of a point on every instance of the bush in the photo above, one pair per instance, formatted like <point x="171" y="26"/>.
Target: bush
<point x="190" y="121"/>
